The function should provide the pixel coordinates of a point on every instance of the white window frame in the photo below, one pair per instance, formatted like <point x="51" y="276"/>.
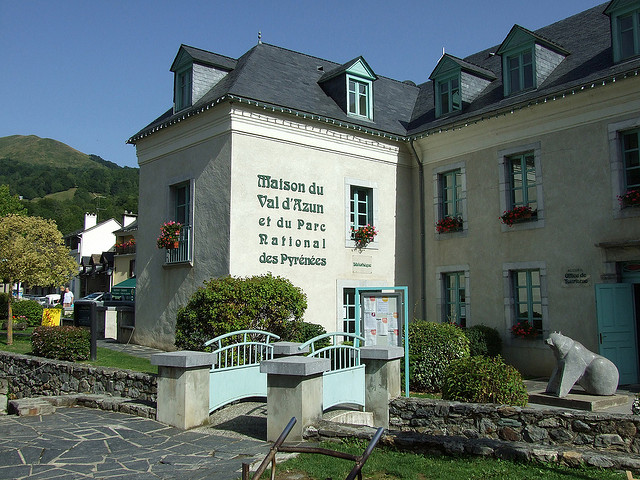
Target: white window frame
<point x="373" y="186"/>
<point x="509" y="304"/>
<point x="438" y="197"/>
<point x="505" y="184"/>
<point x="369" y="97"/>
<point x="340" y="286"/>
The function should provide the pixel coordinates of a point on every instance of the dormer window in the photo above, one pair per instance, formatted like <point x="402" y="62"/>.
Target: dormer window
<point x="520" y="71"/>
<point x="457" y="82"/>
<point x="183" y="89"/>
<point x="448" y="97"/>
<point x="351" y="86"/>
<point x="527" y="60"/>
<point x="359" y="97"/>
<point x="625" y="28"/>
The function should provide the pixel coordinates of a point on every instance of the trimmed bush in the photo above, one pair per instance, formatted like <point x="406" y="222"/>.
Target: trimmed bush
<point x="30" y="309"/>
<point x="225" y="304"/>
<point x="61" y="343"/>
<point x="484" y="380"/>
<point x="432" y="347"/>
<point x="484" y="340"/>
<point x="303" y="331"/>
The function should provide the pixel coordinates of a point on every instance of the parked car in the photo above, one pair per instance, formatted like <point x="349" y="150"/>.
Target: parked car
<point x="95" y="296"/>
<point x="53" y="299"/>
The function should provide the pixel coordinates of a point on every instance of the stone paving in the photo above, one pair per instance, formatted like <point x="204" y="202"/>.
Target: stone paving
<point x="80" y="443"/>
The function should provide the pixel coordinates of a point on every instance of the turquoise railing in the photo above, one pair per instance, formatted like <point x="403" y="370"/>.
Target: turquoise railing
<point x="248" y="351"/>
<point x="342" y="355"/>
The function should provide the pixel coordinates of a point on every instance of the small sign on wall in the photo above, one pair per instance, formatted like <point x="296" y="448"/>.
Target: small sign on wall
<point x="362" y="264"/>
<point x="575" y="277"/>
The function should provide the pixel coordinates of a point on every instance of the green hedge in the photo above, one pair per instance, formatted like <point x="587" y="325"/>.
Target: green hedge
<point x="61" y="343"/>
<point x="484" y="340"/>
<point x="227" y="304"/>
<point x="484" y="380"/>
<point x="30" y="309"/>
<point x="432" y="347"/>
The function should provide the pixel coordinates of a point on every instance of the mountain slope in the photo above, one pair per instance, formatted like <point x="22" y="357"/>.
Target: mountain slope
<point x="44" y="151"/>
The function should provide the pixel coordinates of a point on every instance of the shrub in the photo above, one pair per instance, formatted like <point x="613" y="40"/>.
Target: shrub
<point x="303" y="331"/>
<point x="30" y="309"/>
<point x="61" y="343"/>
<point x="484" y="340"/>
<point x="432" y="346"/>
<point x="484" y="380"/>
<point x="225" y="304"/>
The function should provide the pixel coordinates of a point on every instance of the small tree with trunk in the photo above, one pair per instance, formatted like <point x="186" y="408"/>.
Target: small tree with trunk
<point x="32" y="250"/>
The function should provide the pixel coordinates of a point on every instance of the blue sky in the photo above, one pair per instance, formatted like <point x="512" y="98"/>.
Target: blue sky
<point x="92" y="73"/>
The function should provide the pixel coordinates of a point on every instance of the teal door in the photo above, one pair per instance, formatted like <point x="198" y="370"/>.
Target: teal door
<point x="617" y="328"/>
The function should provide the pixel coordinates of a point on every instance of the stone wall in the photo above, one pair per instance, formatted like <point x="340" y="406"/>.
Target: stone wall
<point x="33" y="377"/>
<point x="551" y="427"/>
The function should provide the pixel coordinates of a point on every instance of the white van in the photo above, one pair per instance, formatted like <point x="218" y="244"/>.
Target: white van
<point x="53" y="299"/>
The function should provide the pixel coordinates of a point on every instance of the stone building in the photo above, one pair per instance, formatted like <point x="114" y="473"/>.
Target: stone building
<point x="270" y="160"/>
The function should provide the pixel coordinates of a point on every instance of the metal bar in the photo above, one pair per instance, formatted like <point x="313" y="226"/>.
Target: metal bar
<point x="274" y="449"/>
<point x="319" y="450"/>
<point x="365" y="456"/>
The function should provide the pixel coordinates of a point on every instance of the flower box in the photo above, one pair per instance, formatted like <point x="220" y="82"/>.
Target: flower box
<point x="518" y="215"/>
<point x="524" y="330"/>
<point x="630" y="199"/>
<point x="169" y="235"/>
<point x="363" y="236"/>
<point x="449" y="224"/>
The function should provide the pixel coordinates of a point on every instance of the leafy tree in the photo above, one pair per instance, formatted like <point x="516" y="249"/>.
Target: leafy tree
<point x="32" y="251"/>
<point x="10" y="203"/>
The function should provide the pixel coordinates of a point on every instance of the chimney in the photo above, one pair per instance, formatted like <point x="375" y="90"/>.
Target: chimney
<point x="90" y="220"/>
<point x="128" y="218"/>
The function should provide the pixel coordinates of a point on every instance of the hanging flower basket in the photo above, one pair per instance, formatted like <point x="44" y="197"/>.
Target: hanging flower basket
<point x="630" y="199"/>
<point x="169" y="235"/>
<point x="517" y="215"/>
<point x="363" y="236"/>
<point x="449" y="224"/>
<point x="524" y="330"/>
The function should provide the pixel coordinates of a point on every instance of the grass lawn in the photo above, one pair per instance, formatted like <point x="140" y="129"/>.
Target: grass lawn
<point x="105" y="356"/>
<point x="388" y="464"/>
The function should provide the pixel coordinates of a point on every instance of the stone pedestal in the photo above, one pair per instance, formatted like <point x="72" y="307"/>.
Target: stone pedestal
<point x="4" y="395"/>
<point x="288" y="349"/>
<point x="294" y="389"/>
<point x="381" y="380"/>
<point x="183" y="388"/>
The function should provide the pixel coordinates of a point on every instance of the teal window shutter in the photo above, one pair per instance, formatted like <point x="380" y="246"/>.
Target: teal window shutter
<point x="448" y="97"/>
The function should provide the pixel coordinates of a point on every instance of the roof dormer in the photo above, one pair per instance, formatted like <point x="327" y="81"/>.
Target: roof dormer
<point x="457" y="82"/>
<point x="527" y="60"/>
<point x="351" y="87"/>
<point x="195" y="73"/>
<point x="625" y="28"/>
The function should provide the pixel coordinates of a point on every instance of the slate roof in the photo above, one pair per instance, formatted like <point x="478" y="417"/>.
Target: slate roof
<point x="288" y="81"/>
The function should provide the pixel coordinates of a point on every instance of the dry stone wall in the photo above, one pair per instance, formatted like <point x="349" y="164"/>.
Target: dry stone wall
<point x="34" y="377"/>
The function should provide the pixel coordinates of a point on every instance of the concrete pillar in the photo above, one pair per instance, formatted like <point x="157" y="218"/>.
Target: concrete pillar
<point x="183" y="388"/>
<point x="288" y="349"/>
<point x="294" y="389"/>
<point x="381" y="380"/>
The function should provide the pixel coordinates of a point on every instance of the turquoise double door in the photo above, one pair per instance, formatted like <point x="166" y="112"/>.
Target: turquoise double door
<point x="617" y="337"/>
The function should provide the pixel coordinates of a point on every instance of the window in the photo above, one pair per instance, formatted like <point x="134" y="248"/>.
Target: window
<point x="521" y="184"/>
<point x="183" y="89"/>
<point x="181" y="205"/>
<point x="454" y="298"/>
<point x="361" y="210"/>
<point x="520" y="70"/>
<point x="359" y="97"/>
<point x="522" y="177"/>
<point x="448" y="97"/>
<point x="527" y="298"/>
<point x="631" y="159"/>
<point x="451" y="189"/>
<point x="349" y="310"/>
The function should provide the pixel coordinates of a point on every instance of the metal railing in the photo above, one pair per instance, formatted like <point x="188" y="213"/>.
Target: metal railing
<point x="342" y="355"/>
<point x="181" y="254"/>
<point x="356" y="471"/>
<point x="244" y="349"/>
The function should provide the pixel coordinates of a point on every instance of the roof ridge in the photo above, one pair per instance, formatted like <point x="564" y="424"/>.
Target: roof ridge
<point x="208" y="51"/>
<point x="299" y="53"/>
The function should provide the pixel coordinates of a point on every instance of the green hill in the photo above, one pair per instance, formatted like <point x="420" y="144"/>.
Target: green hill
<point x="61" y="183"/>
<point x="43" y="151"/>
